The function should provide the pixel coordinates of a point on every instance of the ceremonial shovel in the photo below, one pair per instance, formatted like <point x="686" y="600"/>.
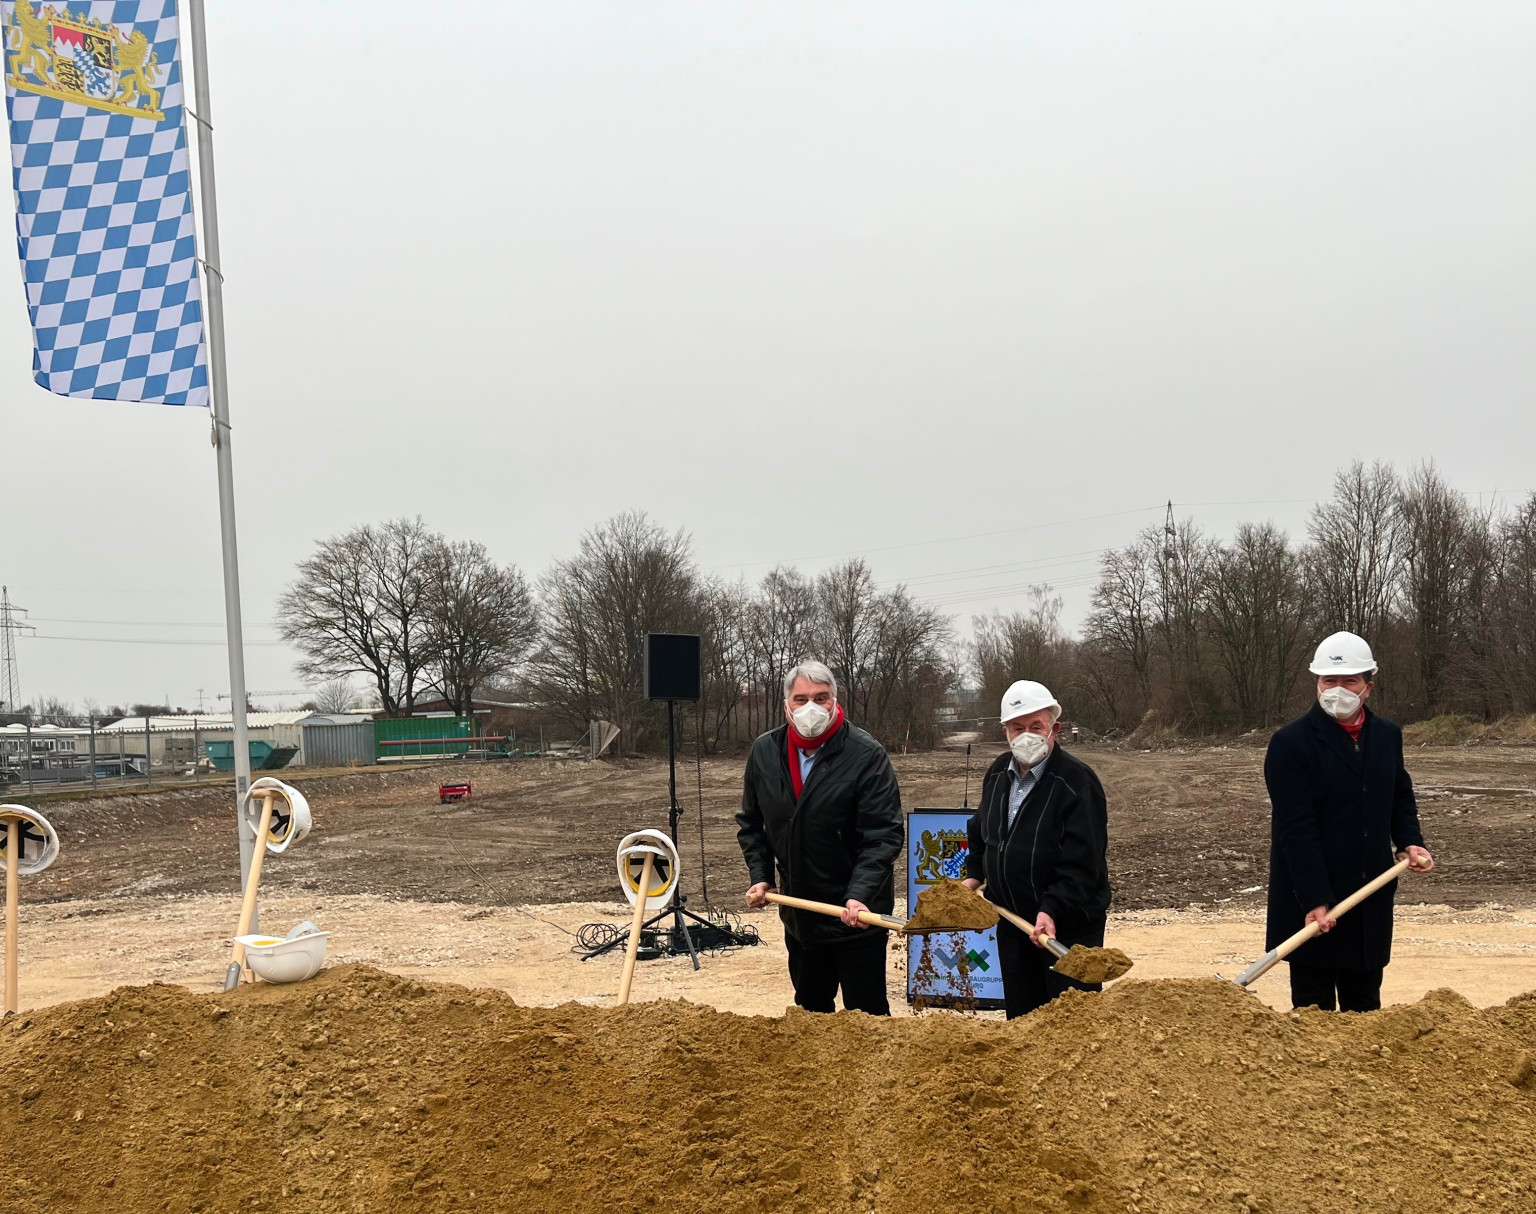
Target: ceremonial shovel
<point x="909" y="928"/>
<point x="1288" y="946"/>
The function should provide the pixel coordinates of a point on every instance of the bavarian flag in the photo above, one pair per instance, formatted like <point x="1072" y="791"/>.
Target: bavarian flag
<point x="103" y="199"/>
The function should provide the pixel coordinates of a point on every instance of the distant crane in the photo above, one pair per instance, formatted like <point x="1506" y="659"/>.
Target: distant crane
<point x="254" y="695"/>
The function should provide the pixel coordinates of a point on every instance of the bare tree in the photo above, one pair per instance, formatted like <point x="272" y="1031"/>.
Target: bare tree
<point x="1356" y="555"/>
<point x="1260" y="620"/>
<point x="908" y="676"/>
<point x="1513" y="610"/>
<point x="50" y="710"/>
<point x="402" y="568"/>
<point x="629" y="578"/>
<point x="335" y="696"/>
<point x="1182" y="566"/>
<point x="845" y="596"/>
<point x="781" y="631"/>
<point x="356" y="608"/>
<point x="480" y="620"/>
<point x="1436" y="527"/>
<point x="1122" y="625"/>
<point x="726" y="661"/>
<point x="1023" y="645"/>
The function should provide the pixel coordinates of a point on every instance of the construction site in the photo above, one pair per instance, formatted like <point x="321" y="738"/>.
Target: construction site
<point x="456" y="1052"/>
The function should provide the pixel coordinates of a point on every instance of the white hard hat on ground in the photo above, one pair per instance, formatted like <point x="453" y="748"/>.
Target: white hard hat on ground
<point x="1025" y="697"/>
<point x="1343" y="653"/>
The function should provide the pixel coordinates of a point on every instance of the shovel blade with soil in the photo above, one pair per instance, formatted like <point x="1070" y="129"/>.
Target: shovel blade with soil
<point x="946" y="907"/>
<point x="1081" y="962"/>
<point x="951" y="906"/>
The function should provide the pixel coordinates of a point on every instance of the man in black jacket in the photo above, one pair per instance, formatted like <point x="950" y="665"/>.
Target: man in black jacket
<point x="1342" y="804"/>
<point x="1039" y="839"/>
<point x="820" y="804"/>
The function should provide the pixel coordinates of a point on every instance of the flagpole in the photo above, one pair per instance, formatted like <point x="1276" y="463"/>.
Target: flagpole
<point x="213" y="318"/>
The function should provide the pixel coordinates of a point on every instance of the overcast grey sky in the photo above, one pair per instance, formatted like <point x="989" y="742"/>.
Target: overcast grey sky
<point x="808" y="280"/>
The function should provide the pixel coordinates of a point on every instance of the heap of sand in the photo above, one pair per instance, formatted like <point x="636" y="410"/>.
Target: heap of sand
<point x="359" y="1090"/>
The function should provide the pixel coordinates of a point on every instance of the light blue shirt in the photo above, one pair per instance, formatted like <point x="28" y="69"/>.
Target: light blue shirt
<point x="807" y="757"/>
<point x="1022" y="786"/>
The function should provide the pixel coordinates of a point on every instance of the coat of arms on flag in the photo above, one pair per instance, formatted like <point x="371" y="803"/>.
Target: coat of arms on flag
<point x="74" y="57"/>
<point x="104" y="199"/>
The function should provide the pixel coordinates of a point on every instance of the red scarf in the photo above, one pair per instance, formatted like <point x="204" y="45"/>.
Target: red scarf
<point x="796" y="742"/>
<point x="1353" y="728"/>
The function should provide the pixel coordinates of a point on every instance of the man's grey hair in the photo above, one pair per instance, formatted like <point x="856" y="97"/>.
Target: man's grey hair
<point x="816" y="672"/>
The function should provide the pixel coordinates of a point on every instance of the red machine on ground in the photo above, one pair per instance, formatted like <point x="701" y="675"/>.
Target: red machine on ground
<point x="457" y="790"/>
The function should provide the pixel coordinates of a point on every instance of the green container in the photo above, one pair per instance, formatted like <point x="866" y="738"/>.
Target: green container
<point x="222" y="754"/>
<point x="415" y="737"/>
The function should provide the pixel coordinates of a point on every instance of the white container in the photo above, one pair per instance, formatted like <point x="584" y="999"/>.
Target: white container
<point x="276" y="960"/>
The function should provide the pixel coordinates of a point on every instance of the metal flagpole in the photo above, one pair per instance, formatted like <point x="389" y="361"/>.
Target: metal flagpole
<point x="213" y="316"/>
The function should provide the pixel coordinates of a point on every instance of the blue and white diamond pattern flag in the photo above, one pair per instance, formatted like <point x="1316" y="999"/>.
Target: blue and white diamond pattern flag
<point x="103" y="199"/>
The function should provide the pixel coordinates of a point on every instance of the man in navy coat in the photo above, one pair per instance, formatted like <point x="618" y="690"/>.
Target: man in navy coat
<point x="1342" y="806"/>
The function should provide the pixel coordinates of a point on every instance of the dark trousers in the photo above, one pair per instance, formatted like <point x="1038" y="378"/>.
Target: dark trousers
<point x="1028" y="979"/>
<point x="1329" y="988"/>
<point x="817" y="970"/>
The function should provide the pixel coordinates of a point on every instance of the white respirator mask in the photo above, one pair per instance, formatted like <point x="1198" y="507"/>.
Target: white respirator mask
<point x="1029" y="749"/>
<point x="1340" y="703"/>
<point x="811" y="719"/>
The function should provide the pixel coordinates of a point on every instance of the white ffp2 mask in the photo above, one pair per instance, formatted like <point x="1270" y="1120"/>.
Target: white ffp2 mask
<point x="811" y="719"/>
<point x="1340" y="703"/>
<point x="1029" y="749"/>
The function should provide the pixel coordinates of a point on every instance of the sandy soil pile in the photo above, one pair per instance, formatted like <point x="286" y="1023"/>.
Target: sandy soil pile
<point x="950" y="905"/>
<point x="362" y="1091"/>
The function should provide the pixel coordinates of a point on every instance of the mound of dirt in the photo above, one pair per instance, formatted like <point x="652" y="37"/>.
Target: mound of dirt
<point x="951" y="906"/>
<point x="1087" y="964"/>
<point x="362" y="1091"/>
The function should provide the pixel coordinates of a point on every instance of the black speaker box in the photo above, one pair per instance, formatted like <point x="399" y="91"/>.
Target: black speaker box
<point x="671" y="666"/>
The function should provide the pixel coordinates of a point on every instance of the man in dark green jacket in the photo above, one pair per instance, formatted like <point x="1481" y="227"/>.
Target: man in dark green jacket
<point x="821" y="819"/>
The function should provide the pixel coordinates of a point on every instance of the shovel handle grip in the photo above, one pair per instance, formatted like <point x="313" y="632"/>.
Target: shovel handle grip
<point x="828" y="908"/>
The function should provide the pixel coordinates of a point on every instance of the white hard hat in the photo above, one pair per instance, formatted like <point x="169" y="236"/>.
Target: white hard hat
<point x="291" y="818"/>
<point x="664" y="867"/>
<point x="1343" y="653"/>
<point x="1025" y="697"/>
<point x="37" y="843"/>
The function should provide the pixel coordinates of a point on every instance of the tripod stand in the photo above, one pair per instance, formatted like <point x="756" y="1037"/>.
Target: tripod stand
<point x="719" y="933"/>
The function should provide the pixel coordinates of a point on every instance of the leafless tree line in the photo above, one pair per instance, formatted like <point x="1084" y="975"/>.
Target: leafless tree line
<point x="411" y="611"/>
<point x="1211" y="636"/>
<point x="891" y="653"/>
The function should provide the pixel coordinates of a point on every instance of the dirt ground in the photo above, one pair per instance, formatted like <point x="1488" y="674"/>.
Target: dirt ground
<point x="489" y="892"/>
<point x="1186" y="828"/>
<point x="75" y="950"/>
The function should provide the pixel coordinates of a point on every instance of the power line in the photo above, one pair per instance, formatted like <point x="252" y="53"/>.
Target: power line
<point x="142" y="641"/>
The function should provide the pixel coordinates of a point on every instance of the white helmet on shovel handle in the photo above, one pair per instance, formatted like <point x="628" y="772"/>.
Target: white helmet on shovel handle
<point x="1343" y="653"/>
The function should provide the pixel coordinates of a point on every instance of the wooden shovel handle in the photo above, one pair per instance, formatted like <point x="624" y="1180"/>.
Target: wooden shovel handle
<point x="12" y="907"/>
<point x="827" y="908"/>
<point x="253" y="880"/>
<point x="1028" y="928"/>
<point x="1292" y="943"/>
<point x="632" y="953"/>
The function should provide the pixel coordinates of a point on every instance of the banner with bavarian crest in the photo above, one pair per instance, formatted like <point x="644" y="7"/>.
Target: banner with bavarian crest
<point x="104" y="218"/>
